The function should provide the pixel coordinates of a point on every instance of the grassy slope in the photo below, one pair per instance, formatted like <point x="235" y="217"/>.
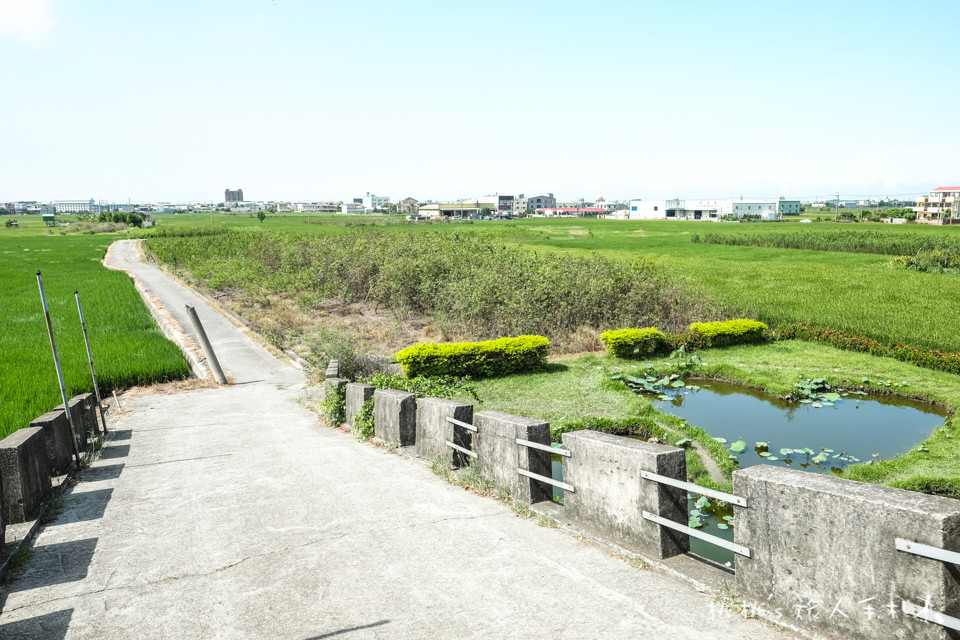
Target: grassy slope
<point x="128" y="348"/>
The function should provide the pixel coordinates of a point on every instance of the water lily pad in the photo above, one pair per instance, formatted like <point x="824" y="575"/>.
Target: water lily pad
<point x="773" y="458"/>
<point x="831" y="397"/>
<point x="760" y="444"/>
<point x="676" y="384"/>
<point x="764" y="454"/>
<point x="738" y="446"/>
<point x="721" y="525"/>
<point x="721" y="440"/>
<point x="784" y="452"/>
<point x="702" y="501"/>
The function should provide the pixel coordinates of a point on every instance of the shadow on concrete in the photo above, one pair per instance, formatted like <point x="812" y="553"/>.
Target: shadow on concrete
<point x="183" y="426"/>
<point x="83" y="506"/>
<point x="122" y="434"/>
<point x="348" y="630"/>
<point x="56" y="564"/>
<point x="115" y="451"/>
<point x="237" y="384"/>
<point x="49" y="626"/>
<point x="103" y="472"/>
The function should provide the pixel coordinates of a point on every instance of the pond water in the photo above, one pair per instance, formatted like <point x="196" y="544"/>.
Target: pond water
<point x="824" y="439"/>
<point x="855" y="429"/>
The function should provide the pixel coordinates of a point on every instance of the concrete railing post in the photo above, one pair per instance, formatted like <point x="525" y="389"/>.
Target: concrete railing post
<point x="395" y="417"/>
<point x="357" y="394"/>
<point x="206" y="346"/>
<point x="824" y="553"/>
<point x="611" y="496"/>
<point x="433" y="430"/>
<point x="499" y="456"/>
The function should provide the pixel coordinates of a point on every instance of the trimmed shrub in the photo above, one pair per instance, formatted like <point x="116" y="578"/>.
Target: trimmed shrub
<point x="475" y="359"/>
<point x="634" y="343"/>
<point x="731" y="332"/>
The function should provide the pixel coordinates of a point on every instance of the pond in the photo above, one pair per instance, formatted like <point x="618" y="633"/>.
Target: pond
<point x="824" y="438"/>
<point x="818" y="437"/>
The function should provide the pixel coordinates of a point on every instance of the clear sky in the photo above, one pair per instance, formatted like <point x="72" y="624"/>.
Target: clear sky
<point x="299" y="99"/>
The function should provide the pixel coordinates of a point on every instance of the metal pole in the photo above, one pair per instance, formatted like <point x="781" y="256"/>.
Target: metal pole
<point x="56" y="361"/>
<point x="207" y="349"/>
<point x="93" y="371"/>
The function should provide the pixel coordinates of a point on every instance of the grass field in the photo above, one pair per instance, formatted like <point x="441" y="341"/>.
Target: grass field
<point x="860" y="292"/>
<point x="128" y="347"/>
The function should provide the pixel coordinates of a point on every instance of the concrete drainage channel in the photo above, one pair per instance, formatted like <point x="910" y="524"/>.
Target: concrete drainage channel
<point x="820" y="555"/>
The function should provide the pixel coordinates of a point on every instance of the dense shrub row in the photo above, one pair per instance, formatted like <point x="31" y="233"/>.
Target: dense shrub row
<point x="643" y="343"/>
<point x="475" y="359"/>
<point x="882" y="242"/>
<point x="927" y="358"/>
<point x="465" y="282"/>
<point x="634" y="343"/>
<point x="727" y="333"/>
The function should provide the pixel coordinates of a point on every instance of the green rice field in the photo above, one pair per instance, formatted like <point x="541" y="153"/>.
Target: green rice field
<point x="128" y="348"/>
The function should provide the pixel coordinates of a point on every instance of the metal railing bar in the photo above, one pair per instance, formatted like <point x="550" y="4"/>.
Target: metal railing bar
<point x="472" y="454"/>
<point x="543" y="447"/>
<point x="696" y="533"/>
<point x="929" y="615"/>
<point x="695" y="488"/>
<point x="551" y="481"/>
<point x="460" y="424"/>
<point x="925" y="550"/>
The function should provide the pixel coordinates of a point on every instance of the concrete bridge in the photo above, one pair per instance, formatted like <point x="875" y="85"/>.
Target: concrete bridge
<point x="230" y="512"/>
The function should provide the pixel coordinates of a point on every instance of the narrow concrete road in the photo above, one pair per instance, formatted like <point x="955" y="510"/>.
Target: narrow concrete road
<point x="230" y="513"/>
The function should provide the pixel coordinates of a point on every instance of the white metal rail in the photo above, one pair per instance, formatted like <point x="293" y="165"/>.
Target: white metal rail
<point x="459" y="423"/>
<point x="544" y="447"/>
<point x="551" y="481"/>
<point x="472" y="454"/>
<point x="696" y="533"/>
<point x="690" y="531"/>
<point x="694" y="488"/>
<point x="934" y="553"/>
<point x="566" y="486"/>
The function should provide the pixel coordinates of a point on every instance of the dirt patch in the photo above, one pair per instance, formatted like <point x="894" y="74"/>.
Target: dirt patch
<point x="167" y="388"/>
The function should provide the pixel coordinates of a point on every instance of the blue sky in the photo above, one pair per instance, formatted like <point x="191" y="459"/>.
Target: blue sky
<point x="292" y="99"/>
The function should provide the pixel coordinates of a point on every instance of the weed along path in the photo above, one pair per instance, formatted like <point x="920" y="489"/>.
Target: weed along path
<point x="229" y="512"/>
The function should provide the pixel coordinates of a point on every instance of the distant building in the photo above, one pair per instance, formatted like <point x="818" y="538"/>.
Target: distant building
<point x="677" y="209"/>
<point x="939" y="206"/>
<point x="541" y="202"/>
<point x="75" y="206"/>
<point x="606" y="206"/>
<point x="572" y="211"/>
<point x="409" y="205"/>
<point x="317" y="207"/>
<point x="349" y="207"/>
<point x="462" y="209"/>
<point x="371" y="202"/>
<point x="233" y="195"/>
<point x="788" y="207"/>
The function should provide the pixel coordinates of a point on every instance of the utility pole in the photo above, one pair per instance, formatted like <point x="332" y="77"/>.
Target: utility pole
<point x="836" y="209"/>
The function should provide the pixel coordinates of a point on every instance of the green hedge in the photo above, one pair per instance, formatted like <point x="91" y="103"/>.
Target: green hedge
<point x="730" y="332"/>
<point x="634" y="343"/>
<point x="475" y="359"/>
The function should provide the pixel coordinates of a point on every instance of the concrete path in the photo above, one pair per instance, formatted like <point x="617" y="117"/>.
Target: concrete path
<point x="231" y="513"/>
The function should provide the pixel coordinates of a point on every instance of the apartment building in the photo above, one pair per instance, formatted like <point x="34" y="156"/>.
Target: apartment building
<point x="939" y="206"/>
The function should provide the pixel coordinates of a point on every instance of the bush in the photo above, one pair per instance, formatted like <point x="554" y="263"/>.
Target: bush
<point x="476" y="359"/>
<point x="731" y="332"/>
<point x="363" y="421"/>
<point x="634" y="343"/>
<point x="333" y="407"/>
<point x="329" y="344"/>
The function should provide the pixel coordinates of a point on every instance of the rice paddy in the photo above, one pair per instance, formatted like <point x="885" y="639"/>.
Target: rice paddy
<point x="128" y="348"/>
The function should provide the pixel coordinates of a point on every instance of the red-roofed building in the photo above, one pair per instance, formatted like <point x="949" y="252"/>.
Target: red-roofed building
<point x="939" y="207"/>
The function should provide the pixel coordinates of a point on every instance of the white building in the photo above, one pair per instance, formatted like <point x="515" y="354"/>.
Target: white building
<point x="75" y="206"/>
<point x="317" y="207"/>
<point x="371" y="202"/>
<point x="677" y="209"/>
<point x="349" y="207"/>
<point x="940" y="206"/>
